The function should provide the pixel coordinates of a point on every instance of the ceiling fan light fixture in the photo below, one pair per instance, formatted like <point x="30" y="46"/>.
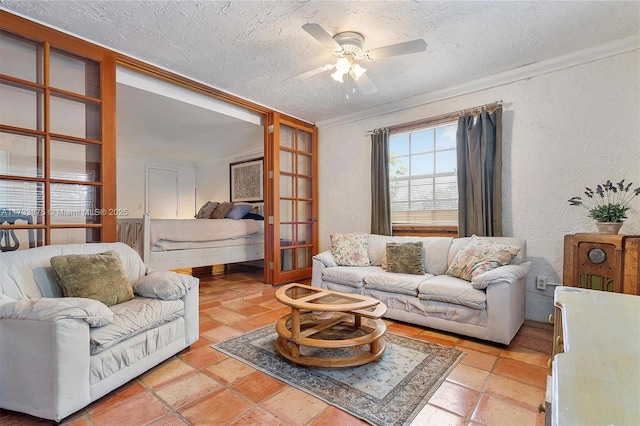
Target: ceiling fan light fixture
<point x="342" y="67"/>
<point x="358" y="71"/>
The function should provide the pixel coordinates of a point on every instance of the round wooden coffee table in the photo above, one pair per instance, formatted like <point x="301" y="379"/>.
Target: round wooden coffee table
<point x="316" y="313"/>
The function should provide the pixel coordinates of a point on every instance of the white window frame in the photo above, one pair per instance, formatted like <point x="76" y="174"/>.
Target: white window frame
<point x="428" y="216"/>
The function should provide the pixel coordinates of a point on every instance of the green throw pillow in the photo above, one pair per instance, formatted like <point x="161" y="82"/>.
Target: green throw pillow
<point x="405" y="258"/>
<point x="97" y="276"/>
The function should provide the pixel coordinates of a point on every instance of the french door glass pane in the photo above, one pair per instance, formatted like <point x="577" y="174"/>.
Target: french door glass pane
<point x="287" y="137"/>
<point x="304" y="165"/>
<point x="75" y="235"/>
<point x="286" y="161"/>
<point x="304" y="234"/>
<point x="23" y="198"/>
<point x="304" y="211"/>
<point x="21" y="107"/>
<point x="304" y="141"/>
<point x="304" y="257"/>
<point x="74" y="74"/>
<point x="75" y="161"/>
<point x="286" y="210"/>
<point x="20" y="58"/>
<point x="304" y="188"/>
<point x="286" y="260"/>
<point x="19" y="155"/>
<point x="286" y="186"/>
<point x="74" y="117"/>
<point x="286" y="235"/>
<point x="75" y="204"/>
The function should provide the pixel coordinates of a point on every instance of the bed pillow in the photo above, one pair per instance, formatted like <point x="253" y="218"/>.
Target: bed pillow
<point x="480" y="255"/>
<point x="350" y="249"/>
<point x="97" y="276"/>
<point x="207" y="210"/>
<point x="222" y="210"/>
<point x="405" y="258"/>
<point x="238" y="211"/>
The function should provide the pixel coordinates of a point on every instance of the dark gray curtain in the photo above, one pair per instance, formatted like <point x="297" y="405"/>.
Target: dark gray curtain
<point x="380" y="196"/>
<point x="479" y="146"/>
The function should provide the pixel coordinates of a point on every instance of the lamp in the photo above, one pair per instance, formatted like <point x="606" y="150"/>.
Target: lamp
<point x="342" y="67"/>
<point x="357" y="71"/>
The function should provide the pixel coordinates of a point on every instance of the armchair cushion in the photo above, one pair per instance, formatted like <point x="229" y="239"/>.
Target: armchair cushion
<point x="93" y="312"/>
<point x="97" y="276"/>
<point x="165" y="285"/>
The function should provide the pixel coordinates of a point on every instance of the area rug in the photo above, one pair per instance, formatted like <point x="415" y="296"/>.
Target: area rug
<point x="391" y="391"/>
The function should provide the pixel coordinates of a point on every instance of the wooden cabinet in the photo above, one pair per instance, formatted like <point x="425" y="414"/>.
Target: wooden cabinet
<point x="602" y="262"/>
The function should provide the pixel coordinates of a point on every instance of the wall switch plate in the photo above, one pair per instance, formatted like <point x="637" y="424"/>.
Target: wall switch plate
<point x="541" y="282"/>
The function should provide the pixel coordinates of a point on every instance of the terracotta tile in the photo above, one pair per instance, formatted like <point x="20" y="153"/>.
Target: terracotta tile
<point x="217" y="408"/>
<point x="514" y="391"/>
<point x="403" y="329"/>
<point x="207" y="323"/>
<point x="245" y="309"/>
<point x="441" y="335"/>
<point x="75" y="420"/>
<point x="538" y="324"/>
<point x="229" y="370"/>
<point x="469" y="377"/>
<point x="258" y="386"/>
<point x="434" y="339"/>
<point x="228" y="317"/>
<point x="455" y="398"/>
<point x="494" y="411"/>
<point x="523" y="372"/>
<point x="257" y="417"/>
<point x="536" y="332"/>
<point x="165" y="372"/>
<point x="187" y="389"/>
<point x="168" y="420"/>
<point x="481" y="360"/>
<point x="117" y="396"/>
<point x="493" y="349"/>
<point x="431" y="415"/>
<point x="203" y="357"/>
<point x="220" y="334"/>
<point x="527" y="355"/>
<point x="333" y="416"/>
<point x="294" y="406"/>
<point x="130" y="412"/>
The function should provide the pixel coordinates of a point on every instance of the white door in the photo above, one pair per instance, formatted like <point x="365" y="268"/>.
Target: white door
<point x="162" y="193"/>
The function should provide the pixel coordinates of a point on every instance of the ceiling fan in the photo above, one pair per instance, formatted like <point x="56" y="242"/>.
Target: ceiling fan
<point x="348" y="48"/>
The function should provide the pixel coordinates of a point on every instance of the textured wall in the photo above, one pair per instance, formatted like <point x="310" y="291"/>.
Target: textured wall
<point x="562" y="131"/>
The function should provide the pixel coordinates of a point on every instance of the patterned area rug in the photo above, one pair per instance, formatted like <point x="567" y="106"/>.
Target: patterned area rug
<point x="391" y="391"/>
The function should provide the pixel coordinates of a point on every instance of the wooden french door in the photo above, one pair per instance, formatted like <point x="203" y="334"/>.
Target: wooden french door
<point x="292" y="190"/>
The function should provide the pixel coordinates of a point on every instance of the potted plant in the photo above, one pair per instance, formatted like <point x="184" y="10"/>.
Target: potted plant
<point x="608" y="204"/>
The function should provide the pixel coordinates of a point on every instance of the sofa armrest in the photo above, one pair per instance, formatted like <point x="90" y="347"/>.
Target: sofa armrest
<point x="93" y="312"/>
<point x="45" y="366"/>
<point x="503" y="274"/>
<point x="165" y="285"/>
<point x="505" y="309"/>
<point x="326" y="258"/>
<point x="191" y="312"/>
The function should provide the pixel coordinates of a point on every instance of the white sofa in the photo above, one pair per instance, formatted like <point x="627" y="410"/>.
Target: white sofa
<point x="58" y="354"/>
<point x="434" y="299"/>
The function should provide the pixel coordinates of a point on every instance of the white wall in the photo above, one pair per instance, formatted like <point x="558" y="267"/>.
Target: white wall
<point x="563" y="130"/>
<point x="212" y="177"/>
<point x="131" y="181"/>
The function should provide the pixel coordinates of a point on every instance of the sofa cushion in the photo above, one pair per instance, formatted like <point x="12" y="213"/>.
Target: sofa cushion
<point x="165" y="285"/>
<point x="350" y="249"/>
<point x="405" y="258"/>
<point x="395" y="283"/>
<point x="97" y="276"/>
<point x="445" y="288"/>
<point x="134" y="317"/>
<point x="480" y="255"/>
<point x="435" y="251"/>
<point x="352" y="276"/>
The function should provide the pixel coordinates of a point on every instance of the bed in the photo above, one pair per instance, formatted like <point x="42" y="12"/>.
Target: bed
<point x="166" y="244"/>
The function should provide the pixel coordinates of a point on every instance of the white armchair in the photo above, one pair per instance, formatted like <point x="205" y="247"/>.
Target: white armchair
<point x="58" y="354"/>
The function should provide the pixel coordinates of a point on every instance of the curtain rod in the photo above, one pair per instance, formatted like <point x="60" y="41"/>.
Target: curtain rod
<point x="439" y="118"/>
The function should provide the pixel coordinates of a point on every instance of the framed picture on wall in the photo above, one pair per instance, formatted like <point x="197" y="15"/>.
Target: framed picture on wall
<point x="246" y="180"/>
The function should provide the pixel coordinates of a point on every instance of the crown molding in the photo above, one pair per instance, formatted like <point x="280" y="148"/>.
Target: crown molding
<point x="596" y="53"/>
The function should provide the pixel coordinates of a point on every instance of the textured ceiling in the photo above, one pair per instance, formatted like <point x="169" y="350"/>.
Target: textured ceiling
<point x="249" y="48"/>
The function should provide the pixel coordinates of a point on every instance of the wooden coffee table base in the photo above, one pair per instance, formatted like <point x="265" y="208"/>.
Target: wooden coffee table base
<point x="289" y="347"/>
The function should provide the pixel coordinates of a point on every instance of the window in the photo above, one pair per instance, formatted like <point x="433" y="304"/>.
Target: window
<point x="423" y="180"/>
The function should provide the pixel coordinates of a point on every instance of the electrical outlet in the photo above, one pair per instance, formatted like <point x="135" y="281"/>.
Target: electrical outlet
<point x="541" y="282"/>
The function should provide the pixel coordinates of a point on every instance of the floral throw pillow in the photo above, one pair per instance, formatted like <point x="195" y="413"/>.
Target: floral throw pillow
<point x="350" y="249"/>
<point x="480" y="255"/>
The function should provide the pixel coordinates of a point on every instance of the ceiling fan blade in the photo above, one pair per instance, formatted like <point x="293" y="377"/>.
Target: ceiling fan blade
<point x="413" y="46"/>
<point x="365" y="84"/>
<point x="309" y="73"/>
<point x="317" y="32"/>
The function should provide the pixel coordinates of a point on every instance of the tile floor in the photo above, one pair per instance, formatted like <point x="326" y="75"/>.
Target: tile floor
<point x="493" y="385"/>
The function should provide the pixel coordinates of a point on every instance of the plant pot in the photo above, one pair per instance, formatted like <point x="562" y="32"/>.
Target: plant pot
<point x="609" y="227"/>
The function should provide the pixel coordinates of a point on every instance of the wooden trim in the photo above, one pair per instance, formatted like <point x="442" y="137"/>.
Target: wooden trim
<point x="424" y="231"/>
<point x="108" y="132"/>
